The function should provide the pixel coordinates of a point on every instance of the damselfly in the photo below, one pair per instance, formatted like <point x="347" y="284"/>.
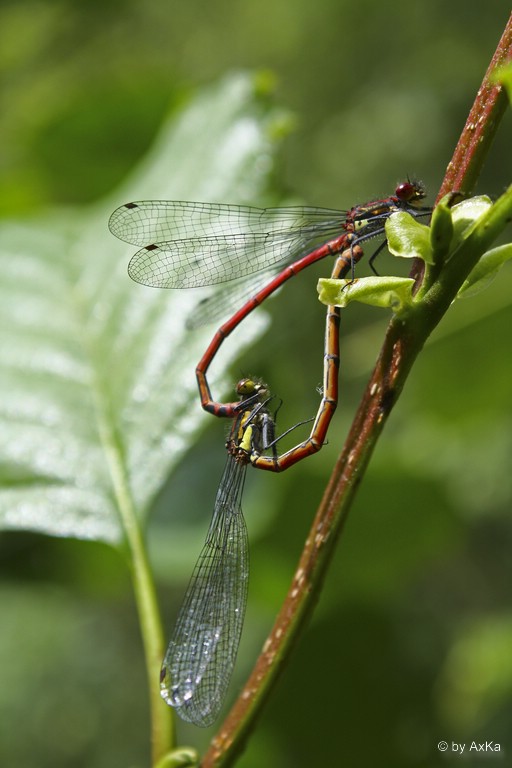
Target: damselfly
<point x="188" y="245"/>
<point x="201" y="655"/>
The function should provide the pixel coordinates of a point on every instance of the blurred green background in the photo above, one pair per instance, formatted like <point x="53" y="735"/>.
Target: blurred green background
<point x="412" y="640"/>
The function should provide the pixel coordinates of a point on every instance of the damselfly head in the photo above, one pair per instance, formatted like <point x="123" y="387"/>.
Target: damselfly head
<point x="410" y="192"/>
<point x="248" y="387"/>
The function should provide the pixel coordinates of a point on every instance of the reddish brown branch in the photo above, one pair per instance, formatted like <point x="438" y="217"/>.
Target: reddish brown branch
<point x="481" y="126"/>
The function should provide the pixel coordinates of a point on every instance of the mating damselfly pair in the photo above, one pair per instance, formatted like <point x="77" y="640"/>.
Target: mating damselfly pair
<point x="187" y="245"/>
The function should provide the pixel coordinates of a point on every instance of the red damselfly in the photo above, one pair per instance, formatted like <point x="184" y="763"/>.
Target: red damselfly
<point x="188" y="245"/>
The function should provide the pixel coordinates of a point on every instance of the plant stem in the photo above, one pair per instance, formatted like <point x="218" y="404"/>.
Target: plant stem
<point x="481" y="126"/>
<point x="162" y="721"/>
<point x="162" y="731"/>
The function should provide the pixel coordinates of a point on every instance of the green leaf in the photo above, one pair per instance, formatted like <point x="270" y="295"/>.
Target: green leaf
<point x="184" y="757"/>
<point x="393" y="293"/>
<point x="408" y="238"/>
<point x="465" y="214"/>
<point x="97" y="388"/>
<point x="486" y="270"/>
<point x="451" y="224"/>
<point x="441" y="230"/>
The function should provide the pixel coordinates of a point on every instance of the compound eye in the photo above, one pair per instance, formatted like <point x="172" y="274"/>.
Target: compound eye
<point x="410" y="192"/>
<point x="251" y="387"/>
<point x="406" y="191"/>
<point x="246" y="387"/>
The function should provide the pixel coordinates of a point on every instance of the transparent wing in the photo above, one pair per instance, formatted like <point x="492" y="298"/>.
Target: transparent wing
<point x="209" y="261"/>
<point x="201" y="655"/>
<point x="188" y="245"/>
<point x="225" y="301"/>
<point x="156" y="221"/>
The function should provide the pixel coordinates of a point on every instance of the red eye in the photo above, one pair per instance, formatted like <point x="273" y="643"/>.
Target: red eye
<point x="409" y="191"/>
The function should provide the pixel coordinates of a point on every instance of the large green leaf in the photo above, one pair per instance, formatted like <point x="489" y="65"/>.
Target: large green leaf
<point x="97" y="390"/>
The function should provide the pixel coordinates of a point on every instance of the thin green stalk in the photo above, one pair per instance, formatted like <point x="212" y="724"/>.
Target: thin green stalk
<point x="162" y="723"/>
<point x="162" y="730"/>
